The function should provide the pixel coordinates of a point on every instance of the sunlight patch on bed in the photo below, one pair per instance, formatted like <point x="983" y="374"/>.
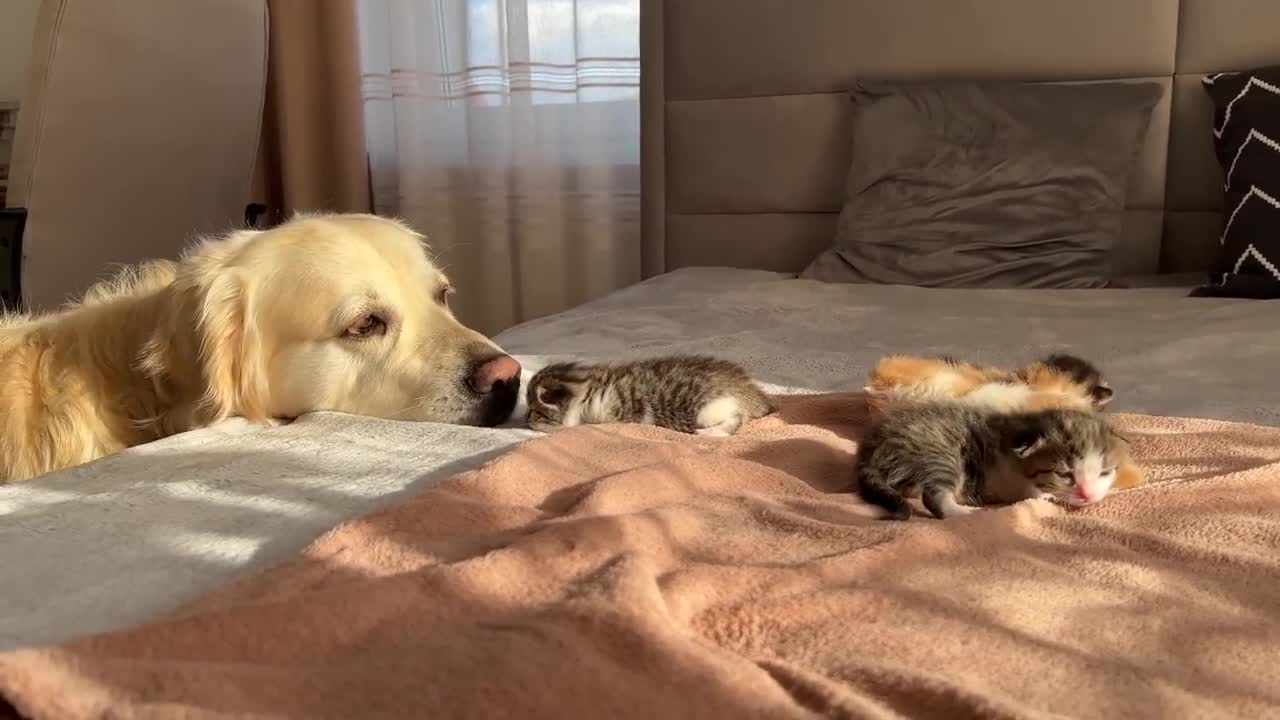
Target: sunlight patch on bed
<point x="244" y="500"/>
<point x="226" y="549"/>
<point x="18" y="498"/>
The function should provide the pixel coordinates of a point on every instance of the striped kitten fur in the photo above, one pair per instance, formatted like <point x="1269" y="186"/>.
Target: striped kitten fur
<point x="687" y="393"/>
<point x="959" y="457"/>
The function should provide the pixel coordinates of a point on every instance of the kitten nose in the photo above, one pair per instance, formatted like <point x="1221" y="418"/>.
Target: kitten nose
<point x="1084" y="494"/>
<point x="495" y="370"/>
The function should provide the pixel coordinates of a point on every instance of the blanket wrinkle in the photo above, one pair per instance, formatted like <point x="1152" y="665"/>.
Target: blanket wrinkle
<point x="811" y="692"/>
<point x="631" y="572"/>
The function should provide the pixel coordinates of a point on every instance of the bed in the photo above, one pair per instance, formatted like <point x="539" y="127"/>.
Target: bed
<point x="131" y="535"/>
<point x="745" y="153"/>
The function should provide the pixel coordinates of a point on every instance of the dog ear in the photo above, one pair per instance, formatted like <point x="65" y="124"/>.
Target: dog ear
<point x="229" y="350"/>
<point x="205" y="354"/>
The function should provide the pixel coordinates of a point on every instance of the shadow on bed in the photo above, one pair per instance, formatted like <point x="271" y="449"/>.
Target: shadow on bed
<point x="184" y="536"/>
<point x="821" y="466"/>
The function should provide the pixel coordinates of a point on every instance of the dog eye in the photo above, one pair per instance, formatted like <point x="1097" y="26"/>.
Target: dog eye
<point x="368" y="326"/>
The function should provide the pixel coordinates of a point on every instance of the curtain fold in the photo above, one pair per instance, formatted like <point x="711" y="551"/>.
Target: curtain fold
<point x="312" y="153"/>
<point x="508" y="132"/>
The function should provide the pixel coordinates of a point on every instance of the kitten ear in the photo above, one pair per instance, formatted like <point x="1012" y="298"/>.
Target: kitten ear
<point x="1025" y="441"/>
<point x="1028" y="445"/>
<point x="1101" y="394"/>
<point x="552" y="393"/>
<point x="542" y="392"/>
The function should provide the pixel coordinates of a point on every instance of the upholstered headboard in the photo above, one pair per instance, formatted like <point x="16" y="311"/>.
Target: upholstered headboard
<point x="746" y="126"/>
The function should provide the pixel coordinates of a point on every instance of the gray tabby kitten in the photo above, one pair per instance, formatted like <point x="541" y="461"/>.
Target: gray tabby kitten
<point x="686" y="393"/>
<point x="961" y="456"/>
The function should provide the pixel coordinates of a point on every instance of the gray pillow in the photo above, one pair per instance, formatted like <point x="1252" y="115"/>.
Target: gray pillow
<point x="987" y="183"/>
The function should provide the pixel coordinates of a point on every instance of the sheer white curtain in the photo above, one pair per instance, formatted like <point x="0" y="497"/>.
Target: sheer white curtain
<point x="508" y="131"/>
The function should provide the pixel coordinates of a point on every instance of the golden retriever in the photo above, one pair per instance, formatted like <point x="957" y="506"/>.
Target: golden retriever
<point x="345" y="313"/>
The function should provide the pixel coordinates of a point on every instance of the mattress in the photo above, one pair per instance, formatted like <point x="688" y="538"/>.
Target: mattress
<point x="113" y="542"/>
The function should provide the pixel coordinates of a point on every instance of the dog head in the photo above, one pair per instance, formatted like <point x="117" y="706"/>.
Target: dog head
<point x="345" y="313"/>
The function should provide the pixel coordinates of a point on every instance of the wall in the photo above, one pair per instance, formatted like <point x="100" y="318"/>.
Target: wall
<point x="17" y="24"/>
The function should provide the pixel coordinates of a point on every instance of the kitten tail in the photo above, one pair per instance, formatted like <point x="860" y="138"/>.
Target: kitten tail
<point x="873" y="488"/>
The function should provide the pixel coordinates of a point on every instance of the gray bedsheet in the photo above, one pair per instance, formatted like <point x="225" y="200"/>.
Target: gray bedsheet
<point x="116" y="541"/>
<point x="1164" y="352"/>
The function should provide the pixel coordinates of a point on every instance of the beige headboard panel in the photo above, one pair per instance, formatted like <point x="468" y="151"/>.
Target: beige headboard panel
<point x="746" y="128"/>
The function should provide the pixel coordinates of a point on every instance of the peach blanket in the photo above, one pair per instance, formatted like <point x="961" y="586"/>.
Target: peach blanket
<point x="630" y="572"/>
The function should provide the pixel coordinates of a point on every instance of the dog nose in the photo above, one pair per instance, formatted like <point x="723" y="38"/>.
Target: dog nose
<point x="500" y="369"/>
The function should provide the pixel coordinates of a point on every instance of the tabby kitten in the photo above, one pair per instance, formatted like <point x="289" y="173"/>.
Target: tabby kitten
<point x="959" y="457"/>
<point x="687" y="393"/>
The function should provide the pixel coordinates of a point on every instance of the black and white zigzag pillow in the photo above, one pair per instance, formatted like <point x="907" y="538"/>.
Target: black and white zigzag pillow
<point x="1246" y="135"/>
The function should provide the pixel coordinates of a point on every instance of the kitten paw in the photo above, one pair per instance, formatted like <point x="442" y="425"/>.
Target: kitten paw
<point x="712" y="432"/>
<point x="959" y="510"/>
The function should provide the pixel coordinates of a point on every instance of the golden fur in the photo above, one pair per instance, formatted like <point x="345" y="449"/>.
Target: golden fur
<point x="1037" y="386"/>
<point x="254" y="324"/>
